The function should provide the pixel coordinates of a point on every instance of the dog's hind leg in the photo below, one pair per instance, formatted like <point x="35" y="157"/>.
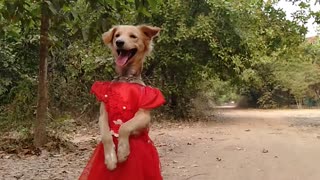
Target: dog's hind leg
<point x="140" y="121"/>
<point x="110" y="157"/>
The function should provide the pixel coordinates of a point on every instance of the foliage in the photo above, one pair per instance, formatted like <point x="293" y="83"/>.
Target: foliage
<point x="73" y="25"/>
<point x="218" y="50"/>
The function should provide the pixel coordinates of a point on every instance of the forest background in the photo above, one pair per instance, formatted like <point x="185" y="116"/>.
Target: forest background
<point x="209" y="53"/>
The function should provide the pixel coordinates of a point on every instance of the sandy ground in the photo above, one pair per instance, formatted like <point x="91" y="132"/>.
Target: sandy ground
<point x="236" y="145"/>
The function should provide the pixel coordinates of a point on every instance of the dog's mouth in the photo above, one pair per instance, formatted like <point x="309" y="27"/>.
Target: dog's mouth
<point x="124" y="56"/>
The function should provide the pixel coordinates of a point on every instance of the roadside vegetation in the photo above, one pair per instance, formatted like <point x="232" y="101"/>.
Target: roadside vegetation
<point x="209" y="53"/>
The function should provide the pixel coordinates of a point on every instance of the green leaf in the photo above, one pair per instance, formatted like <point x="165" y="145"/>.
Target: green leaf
<point x="52" y="8"/>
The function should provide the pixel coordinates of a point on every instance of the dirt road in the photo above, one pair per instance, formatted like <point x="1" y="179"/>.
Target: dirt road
<point x="236" y="145"/>
<point x="246" y="145"/>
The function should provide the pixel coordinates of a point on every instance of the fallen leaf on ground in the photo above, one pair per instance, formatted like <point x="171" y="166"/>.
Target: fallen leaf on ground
<point x="265" y="151"/>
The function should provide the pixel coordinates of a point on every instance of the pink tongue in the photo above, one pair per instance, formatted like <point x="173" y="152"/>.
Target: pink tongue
<point x="122" y="58"/>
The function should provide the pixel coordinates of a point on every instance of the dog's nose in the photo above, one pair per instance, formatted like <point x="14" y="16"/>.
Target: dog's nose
<point x="119" y="43"/>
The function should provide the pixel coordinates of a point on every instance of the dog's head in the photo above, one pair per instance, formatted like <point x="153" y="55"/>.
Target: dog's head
<point x="130" y="44"/>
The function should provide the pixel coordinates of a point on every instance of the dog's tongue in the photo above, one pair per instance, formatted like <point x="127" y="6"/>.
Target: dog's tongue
<point x="122" y="58"/>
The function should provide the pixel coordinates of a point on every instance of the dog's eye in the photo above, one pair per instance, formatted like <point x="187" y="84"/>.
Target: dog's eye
<point x="117" y="35"/>
<point x="133" y="36"/>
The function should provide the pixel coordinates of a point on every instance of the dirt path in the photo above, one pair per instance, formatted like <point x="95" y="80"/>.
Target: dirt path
<point x="245" y="145"/>
<point x="238" y="145"/>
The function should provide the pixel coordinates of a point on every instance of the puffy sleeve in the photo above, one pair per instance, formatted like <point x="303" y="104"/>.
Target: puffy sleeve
<point x="99" y="89"/>
<point x="151" y="98"/>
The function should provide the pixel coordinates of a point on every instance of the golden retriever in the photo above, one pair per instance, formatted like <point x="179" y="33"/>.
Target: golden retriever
<point x="129" y="45"/>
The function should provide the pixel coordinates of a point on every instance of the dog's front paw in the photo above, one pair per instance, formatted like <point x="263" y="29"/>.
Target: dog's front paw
<point x="123" y="150"/>
<point x="110" y="159"/>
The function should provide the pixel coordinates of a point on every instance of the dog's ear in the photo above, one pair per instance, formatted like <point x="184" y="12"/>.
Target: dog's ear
<point x="107" y="37"/>
<point x="149" y="31"/>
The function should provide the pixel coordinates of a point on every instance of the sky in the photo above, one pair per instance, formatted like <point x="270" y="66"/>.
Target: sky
<point x="289" y="8"/>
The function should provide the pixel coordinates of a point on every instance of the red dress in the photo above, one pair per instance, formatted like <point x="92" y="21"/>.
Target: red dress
<point x="122" y="100"/>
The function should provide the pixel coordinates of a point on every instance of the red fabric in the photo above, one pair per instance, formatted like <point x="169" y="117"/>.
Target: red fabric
<point x="122" y="100"/>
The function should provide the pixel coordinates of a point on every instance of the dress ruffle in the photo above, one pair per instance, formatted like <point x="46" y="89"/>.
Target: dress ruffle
<point x="151" y="98"/>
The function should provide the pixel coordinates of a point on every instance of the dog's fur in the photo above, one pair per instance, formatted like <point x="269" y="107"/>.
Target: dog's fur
<point x="136" y="40"/>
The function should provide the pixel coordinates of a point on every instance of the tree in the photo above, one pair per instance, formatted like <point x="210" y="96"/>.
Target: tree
<point x="40" y="135"/>
<point x="46" y="8"/>
<point x="70" y="24"/>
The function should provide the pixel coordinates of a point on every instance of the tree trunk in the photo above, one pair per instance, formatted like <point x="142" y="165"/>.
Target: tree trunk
<point x="40" y="134"/>
<point x="299" y="103"/>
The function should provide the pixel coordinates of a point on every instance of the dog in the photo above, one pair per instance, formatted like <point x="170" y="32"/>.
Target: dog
<point x="129" y="45"/>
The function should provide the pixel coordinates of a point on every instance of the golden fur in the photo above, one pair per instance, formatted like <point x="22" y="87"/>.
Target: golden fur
<point x="139" y="37"/>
